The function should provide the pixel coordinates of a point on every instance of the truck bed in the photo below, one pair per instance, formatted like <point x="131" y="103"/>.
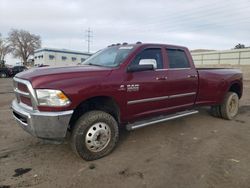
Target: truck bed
<point x="213" y="82"/>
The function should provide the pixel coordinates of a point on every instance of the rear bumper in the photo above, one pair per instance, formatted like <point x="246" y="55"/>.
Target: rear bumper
<point x="45" y="125"/>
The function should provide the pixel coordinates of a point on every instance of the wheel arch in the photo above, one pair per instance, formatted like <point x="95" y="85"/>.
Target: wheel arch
<point x="237" y="88"/>
<point x="103" y="103"/>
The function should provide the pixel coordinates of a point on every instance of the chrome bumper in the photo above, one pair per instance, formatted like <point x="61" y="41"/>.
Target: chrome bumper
<point x="46" y="125"/>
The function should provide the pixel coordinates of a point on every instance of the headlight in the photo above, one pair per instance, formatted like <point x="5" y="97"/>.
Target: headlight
<point x="49" y="97"/>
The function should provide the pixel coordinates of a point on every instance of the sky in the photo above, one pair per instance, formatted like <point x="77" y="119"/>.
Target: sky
<point x="213" y="24"/>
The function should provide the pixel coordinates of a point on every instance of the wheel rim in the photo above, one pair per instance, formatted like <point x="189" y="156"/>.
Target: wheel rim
<point x="2" y="75"/>
<point x="98" y="137"/>
<point x="233" y="106"/>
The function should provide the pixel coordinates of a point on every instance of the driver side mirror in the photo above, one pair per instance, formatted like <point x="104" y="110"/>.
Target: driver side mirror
<point x="148" y="62"/>
<point x="144" y="65"/>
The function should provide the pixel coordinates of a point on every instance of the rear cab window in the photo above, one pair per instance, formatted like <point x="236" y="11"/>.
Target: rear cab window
<point x="177" y="59"/>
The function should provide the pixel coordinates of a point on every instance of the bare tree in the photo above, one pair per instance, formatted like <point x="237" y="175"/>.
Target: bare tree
<point x="23" y="44"/>
<point x="4" y="50"/>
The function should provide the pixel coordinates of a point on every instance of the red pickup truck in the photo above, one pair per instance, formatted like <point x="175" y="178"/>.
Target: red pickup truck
<point x="127" y="85"/>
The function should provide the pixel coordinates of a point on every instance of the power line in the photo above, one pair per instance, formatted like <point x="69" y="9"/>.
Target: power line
<point x="171" y="23"/>
<point x="213" y="17"/>
<point x="89" y="36"/>
<point x="217" y="14"/>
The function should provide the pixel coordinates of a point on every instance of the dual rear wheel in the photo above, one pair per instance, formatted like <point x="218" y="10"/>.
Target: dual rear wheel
<point x="229" y="108"/>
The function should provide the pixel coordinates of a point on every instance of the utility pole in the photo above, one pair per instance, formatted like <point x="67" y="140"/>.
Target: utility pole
<point x="89" y="35"/>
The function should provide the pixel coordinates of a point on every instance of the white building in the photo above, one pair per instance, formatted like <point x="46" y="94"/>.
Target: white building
<point x="225" y="57"/>
<point x="58" y="57"/>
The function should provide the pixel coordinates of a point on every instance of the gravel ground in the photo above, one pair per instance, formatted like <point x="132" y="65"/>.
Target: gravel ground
<point x="195" y="151"/>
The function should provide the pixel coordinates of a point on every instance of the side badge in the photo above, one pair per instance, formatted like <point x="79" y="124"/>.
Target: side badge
<point x="133" y="87"/>
<point x="130" y="87"/>
<point x="122" y="88"/>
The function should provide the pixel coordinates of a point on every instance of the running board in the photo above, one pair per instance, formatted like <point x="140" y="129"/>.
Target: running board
<point x="144" y="123"/>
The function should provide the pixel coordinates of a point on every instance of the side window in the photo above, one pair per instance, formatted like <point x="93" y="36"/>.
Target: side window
<point x="177" y="59"/>
<point x="51" y="57"/>
<point x="64" y="58"/>
<point x="151" y="53"/>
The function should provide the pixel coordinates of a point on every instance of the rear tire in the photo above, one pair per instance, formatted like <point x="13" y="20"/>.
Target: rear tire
<point x="230" y="106"/>
<point x="95" y="135"/>
<point x="215" y="111"/>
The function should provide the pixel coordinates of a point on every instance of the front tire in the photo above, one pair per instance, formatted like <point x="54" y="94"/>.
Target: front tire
<point x="215" y="111"/>
<point x="95" y="135"/>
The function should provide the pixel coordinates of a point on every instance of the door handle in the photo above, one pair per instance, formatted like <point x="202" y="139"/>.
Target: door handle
<point x="192" y="76"/>
<point x="162" y="78"/>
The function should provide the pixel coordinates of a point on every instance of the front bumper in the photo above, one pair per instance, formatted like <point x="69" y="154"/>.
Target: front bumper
<point x="45" y="125"/>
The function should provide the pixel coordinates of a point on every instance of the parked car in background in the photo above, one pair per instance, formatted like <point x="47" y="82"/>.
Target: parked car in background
<point x="5" y="72"/>
<point x="17" y="69"/>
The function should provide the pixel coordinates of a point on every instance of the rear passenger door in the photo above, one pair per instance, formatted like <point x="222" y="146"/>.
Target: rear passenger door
<point x="182" y="80"/>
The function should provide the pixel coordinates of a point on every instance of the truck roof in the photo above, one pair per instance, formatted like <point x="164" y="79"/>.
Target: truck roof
<point x="139" y="44"/>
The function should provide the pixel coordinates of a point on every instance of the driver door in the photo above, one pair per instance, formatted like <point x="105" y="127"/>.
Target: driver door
<point x="146" y="89"/>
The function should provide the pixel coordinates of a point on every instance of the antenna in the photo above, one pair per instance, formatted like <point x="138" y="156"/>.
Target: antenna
<point x="89" y="35"/>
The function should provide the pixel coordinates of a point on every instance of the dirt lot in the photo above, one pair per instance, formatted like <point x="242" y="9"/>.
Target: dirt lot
<point x="196" y="151"/>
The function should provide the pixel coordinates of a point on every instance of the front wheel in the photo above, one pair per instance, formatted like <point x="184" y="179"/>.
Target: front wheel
<point x="95" y="135"/>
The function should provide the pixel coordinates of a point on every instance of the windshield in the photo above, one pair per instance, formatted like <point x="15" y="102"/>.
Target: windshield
<point x="109" y="57"/>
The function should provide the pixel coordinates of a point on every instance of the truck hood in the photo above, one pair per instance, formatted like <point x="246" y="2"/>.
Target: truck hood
<point x="45" y="76"/>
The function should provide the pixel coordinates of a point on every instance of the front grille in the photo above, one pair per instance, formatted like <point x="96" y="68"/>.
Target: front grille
<point x="22" y="92"/>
